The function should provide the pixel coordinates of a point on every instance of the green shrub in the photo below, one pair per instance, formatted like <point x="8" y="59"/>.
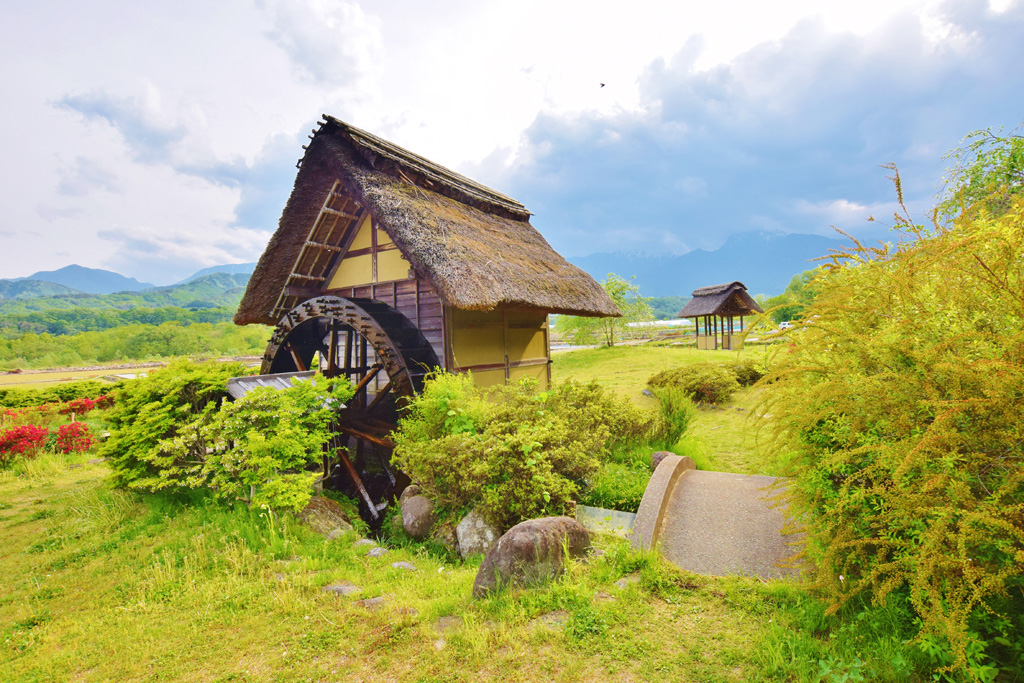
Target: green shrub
<point x="677" y="411"/>
<point x="701" y="382"/>
<point x="515" y="451"/>
<point x="747" y="371"/>
<point x="901" y="410"/>
<point x="615" y="486"/>
<point x="172" y="430"/>
<point x="151" y="410"/>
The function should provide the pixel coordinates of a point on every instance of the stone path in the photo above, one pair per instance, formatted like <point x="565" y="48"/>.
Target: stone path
<point x="714" y="523"/>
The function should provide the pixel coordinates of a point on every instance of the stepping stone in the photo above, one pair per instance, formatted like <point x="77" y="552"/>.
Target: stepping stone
<point x="365" y="541"/>
<point x="342" y="588"/>
<point x="372" y="604"/>
<point x="714" y="523"/>
<point x="408" y="566"/>
<point x="377" y="551"/>
<point x="554" y="619"/>
<point x="445" y="624"/>
<point x="625" y="581"/>
<point x="601" y="596"/>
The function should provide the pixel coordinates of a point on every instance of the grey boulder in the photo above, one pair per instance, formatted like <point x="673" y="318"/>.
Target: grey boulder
<point x="418" y="516"/>
<point x="475" y="534"/>
<point x="325" y="516"/>
<point x="530" y="553"/>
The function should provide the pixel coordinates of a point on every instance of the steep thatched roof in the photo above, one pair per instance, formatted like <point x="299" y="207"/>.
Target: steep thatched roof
<point x="475" y="245"/>
<point x="725" y="299"/>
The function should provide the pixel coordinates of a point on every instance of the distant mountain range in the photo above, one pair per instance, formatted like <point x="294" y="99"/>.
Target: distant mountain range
<point x="764" y="262"/>
<point x="24" y="288"/>
<point x="90" y="280"/>
<point x="207" y="291"/>
<point x="230" y="268"/>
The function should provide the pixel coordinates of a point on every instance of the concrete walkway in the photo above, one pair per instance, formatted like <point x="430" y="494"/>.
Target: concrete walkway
<point x="714" y="523"/>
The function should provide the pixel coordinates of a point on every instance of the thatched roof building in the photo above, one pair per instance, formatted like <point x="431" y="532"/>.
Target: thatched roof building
<point x="722" y="300"/>
<point x="714" y="309"/>
<point x="475" y="246"/>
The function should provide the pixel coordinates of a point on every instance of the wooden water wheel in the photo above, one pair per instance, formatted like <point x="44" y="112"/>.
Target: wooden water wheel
<point x="385" y="357"/>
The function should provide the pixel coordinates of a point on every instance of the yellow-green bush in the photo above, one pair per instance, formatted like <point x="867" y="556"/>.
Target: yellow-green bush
<point x="173" y="430"/>
<point x="515" y="451"/>
<point x="900" y="405"/>
<point x="701" y="382"/>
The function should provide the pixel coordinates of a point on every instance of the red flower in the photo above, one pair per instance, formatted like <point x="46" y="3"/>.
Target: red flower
<point x="74" y="437"/>
<point x="79" y="406"/>
<point x="25" y="440"/>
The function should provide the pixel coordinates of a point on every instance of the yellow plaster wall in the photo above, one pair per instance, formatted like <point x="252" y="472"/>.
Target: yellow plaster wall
<point x="364" y="237"/>
<point x="391" y="265"/>
<point x="497" y="336"/>
<point x="537" y="372"/>
<point x="358" y="270"/>
<point x="354" y="270"/>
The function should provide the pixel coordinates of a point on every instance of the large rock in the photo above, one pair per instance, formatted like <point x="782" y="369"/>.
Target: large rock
<point x="475" y="534"/>
<point x="408" y="492"/>
<point x="323" y="516"/>
<point x="531" y="552"/>
<point x="445" y="534"/>
<point x="418" y="516"/>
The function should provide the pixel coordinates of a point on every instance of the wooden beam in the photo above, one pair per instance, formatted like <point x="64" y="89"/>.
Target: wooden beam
<point x="358" y="482"/>
<point x="301" y="292"/>
<point x="340" y="214"/>
<point x="366" y="436"/>
<point x="379" y="397"/>
<point x="325" y="247"/>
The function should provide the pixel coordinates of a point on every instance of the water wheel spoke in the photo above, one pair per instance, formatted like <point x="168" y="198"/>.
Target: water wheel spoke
<point x="358" y="481"/>
<point x="381" y="395"/>
<point x="332" y="350"/>
<point x="300" y="364"/>
<point x="365" y="432"/>
<point x="360" y="389"/>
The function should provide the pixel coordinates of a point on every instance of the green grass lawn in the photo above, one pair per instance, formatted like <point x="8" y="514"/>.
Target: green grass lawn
<point x="108" y="585"/>
<point x="105" y="585"/>
<point x="726" y="438"/>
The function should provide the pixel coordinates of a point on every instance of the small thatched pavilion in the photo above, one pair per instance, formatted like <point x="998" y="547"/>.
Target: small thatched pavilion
<point x="402" y="237"/>
<point x="714" y="310"/>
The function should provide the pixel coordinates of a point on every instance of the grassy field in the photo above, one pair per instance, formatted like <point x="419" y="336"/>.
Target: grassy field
<point x="725" y="438"/>
<point x="41" y="380"/>
<point x="107" y="585"/>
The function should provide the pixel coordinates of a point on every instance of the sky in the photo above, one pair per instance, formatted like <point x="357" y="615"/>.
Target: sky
<point x="158" y="138"/>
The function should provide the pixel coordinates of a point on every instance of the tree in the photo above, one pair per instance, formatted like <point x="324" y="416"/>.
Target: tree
<point x="606" y="331"/>
<point x="799" y="294"/>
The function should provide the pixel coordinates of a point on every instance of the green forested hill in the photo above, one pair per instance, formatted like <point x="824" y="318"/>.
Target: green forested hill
<point x="72" y="329"/>
<point x="26" y="289"/>
<point x="209" y="291"/>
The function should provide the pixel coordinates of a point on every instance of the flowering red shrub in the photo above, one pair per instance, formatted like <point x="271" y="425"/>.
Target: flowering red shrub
<point x="79" y="406"/>
<point x="44" y="415"/>
<point x="104" y="401"/>
<point x="25" y="440"/>
<point x="74" y="438"/>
